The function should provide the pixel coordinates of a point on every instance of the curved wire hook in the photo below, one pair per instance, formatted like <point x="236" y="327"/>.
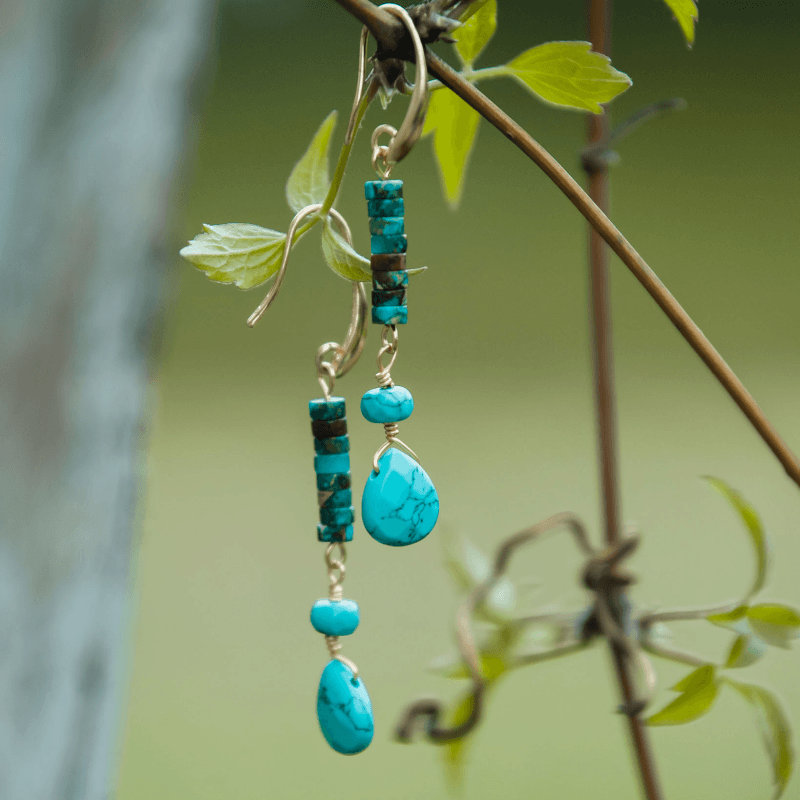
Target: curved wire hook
<point x="411" y="129"/>
<point x="348" y="353"/>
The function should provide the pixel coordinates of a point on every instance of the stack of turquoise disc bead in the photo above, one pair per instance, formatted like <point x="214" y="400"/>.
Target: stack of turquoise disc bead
<point x="332" y="465"/>
<point x="389" y="243"/>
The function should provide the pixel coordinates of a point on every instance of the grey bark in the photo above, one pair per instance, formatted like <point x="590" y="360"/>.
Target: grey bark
<point x="92" y="121"/>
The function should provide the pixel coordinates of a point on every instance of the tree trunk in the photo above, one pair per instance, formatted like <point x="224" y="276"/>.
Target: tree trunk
<point x="94" y="106"/>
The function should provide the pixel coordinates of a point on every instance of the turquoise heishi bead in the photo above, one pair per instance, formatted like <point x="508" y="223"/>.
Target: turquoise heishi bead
<point x="390" y="315"/>
<point x="344" y="710"/>
<point x="340" y="499"/>
<point x="400" y="505"/>
<point x="387" y="226"/>
<point x="325" y="533"/>
<point x="386" y="281"/>
<point x="336" y="444"/>
<point x="335" y="617"/>
<point x="327" y="409"/>
<point x="389" y="297"/>
<point x="383" y="190"/>
<point x="337" y="517"/>
<point x="389" y="404"/>
<point x="386" y="208"/>
<point x="333" y="482"/>
<point x="335" y="462"/>
<point x="385" y="245"/>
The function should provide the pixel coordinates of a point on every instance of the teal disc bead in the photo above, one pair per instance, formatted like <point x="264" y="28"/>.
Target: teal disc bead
<point x="390" y="315"/>
<point x="399" y="505"/>
<point x="383" y="190"/>
<point x="386" y="208"/>
<point x="344" y="710"/>
<point x="332" y="462"/>
<point x="328" y="533"/>
<point x="335" y="617"/>
<point x="387" y="245"/>
<point x="387" y="226"/>
<point x="388" y="404"/>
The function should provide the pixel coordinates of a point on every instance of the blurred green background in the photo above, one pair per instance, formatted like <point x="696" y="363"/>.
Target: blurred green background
<point x="225" y="663"/>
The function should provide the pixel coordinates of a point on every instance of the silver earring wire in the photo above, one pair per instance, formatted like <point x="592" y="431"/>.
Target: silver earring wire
<point x="344" y="355"/>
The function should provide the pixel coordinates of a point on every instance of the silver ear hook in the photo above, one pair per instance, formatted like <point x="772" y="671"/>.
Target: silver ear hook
<point x="344" y="355"/>
<point x="403" y="140"/>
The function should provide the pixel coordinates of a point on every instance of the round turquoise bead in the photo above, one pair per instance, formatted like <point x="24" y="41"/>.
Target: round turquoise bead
<point x="335" y="617"/>
<point x="388" y="404"/>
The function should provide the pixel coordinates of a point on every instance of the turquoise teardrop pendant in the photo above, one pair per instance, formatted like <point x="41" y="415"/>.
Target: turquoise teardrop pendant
<point x="344" y="710"/>
<point x="399" y="505"/>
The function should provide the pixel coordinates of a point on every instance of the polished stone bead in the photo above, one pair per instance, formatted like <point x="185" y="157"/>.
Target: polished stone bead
<point x="387" y="404"/>
<point x="386" y="226"/>
<point x="335" y="462"/>
<point x="335" y="617"/>
<point x="326" y="533"/>
<point x="340" y="499"/>
<point x="327" y="409"/>
<point x="338" y="444"/>
<point x="387" y="262"/>
<point x="390" y="315"/>
<point x="386" y="208"/>
<point x="324" y="429"/>
<point x="344" y="710"/>
<point x="383" y="190"/>
<point x="337" y="517"/>
<point x="397" y="279"/>
<point x="384" y="245"/>
<point x="400" y="505"/>
<point x="333" y="481"/>
<point x="391" y="297"/>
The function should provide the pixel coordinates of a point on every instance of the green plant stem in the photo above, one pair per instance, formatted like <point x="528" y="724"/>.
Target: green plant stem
<point x="687" y="614"/>
<point x="475" y="75"/>
<point x="678" y="656"/>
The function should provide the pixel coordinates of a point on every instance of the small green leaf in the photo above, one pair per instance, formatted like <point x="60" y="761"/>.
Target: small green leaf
<point x="473" y="8"/>
<point x="236" y="253"/>
<point x="699" y="689"/>
<point x="454" y="751"/>
<point x="342" y="258"/>
<point x="775" y="730"/>
<point x="685" y="12"/>
<point x="492" y="667"/>
<point x="735" y="620"/>
<point x="774" y="623"/>
<point x="746" y="650"/>
<point x="754" y="528"/>
<point x="569" y="74"/>
<point x="455" y="124"/>
<point x="309" y="180"/>
<point x="476" y="32"/>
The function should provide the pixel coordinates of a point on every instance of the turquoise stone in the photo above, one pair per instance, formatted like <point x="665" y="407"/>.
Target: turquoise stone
<point x="390" y="315"/>
<point x="389" y="297"/>
<point x="400" y="505"/>
<point x="336" y="444"/>
<point x="337" y="517"/>
<point x="388" y="404"/>
<point x="325" y="533"/>
<point x="333" y="482"/>
<point x="344" y="710"/>
<point x="383" y="245"/>
<point x="387" y="226"/>
<point x="327" y="409"/>
<point x="387" y="281"/>
<point x="335" y="617"/>
<point x="335" y="462"/>
<point x="383" y="190"/>
<point x="386" y="208"/>
<point x="340" y="499"/>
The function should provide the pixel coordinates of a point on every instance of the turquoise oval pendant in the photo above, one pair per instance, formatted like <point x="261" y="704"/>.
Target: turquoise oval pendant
<point x="344" y="710"/>
<point x="399" y="505"/>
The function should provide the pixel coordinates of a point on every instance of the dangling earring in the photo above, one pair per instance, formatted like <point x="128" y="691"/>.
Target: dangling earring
<point x="344" y="709"/>
<point x="400" y="505"/>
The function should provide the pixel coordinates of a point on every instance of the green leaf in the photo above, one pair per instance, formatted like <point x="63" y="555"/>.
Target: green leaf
<point x="735" y="620"/>
<point x="569" y="74"/>
<point x="455" y="124"/>
<point x="774" y="623"/>
<point x="492" y="667"/>
<point x="454" y="751"/>
<point x="473" y="8"/>
<point x="699" y="689"/>
<point x="685" y="12"/>
<point x="236" y="253"/>
<point x="309" y="180"/>
<point x="342" y="258"/>
<point x="754" y="528"/>
<point x="775" y="730"/>
<point x="476" y="32"/>
<point x="746" y="650"/>
<point x="468" y="565"/>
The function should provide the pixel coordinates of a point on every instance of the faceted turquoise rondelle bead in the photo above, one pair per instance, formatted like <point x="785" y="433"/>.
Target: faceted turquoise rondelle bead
<point x="335" y="617"/>
<point x="399" y="505"/>
<point x="388" y="404"/>
<point x="344" y="710"/>
<point x="386" y="245"/>
<point x="390" y="315"/>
